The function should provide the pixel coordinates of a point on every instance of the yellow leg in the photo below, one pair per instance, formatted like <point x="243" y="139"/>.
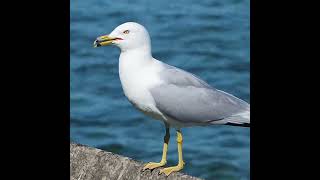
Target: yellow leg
<point x="152" y="165"/>
<point x="169" y="170"/>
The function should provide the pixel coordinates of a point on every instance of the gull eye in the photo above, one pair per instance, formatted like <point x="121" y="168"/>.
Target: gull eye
<point x="126" y="32"/>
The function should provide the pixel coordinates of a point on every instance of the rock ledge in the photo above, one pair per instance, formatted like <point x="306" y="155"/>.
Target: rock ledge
<point x="87" y="163"/>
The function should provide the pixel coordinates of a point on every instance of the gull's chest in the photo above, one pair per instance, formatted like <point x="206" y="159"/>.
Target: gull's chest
<point x="135" y="87"/>
<point x="136" y="82"/>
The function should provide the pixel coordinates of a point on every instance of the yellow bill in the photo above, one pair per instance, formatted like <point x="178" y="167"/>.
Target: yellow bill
<point x="103" y="41"/>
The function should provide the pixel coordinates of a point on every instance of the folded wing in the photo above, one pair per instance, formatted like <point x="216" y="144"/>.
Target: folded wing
<point x="188" y="99"/>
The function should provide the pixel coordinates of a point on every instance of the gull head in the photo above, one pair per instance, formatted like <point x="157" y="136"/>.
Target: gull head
<point x="127" y="36"/>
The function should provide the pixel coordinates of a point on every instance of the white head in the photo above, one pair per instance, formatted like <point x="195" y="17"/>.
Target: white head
<point x="127" y="36"/>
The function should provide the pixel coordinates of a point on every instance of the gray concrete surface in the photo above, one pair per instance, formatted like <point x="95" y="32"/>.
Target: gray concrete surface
<point x="87" y="163"/>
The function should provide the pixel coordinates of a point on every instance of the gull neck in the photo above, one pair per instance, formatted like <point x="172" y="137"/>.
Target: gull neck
<point x="138" y="55"/>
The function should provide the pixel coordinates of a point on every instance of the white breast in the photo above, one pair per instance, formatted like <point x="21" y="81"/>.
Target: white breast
<point x="136" y="80"/>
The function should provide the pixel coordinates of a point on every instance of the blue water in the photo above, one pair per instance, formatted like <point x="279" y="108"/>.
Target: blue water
<point x="207" y="38"/>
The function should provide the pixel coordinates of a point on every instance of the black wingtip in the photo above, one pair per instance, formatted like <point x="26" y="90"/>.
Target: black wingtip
<point x="241" y="125"/>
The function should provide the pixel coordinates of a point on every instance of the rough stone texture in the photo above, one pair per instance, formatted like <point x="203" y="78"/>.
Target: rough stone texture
<point x="95" y="164"/>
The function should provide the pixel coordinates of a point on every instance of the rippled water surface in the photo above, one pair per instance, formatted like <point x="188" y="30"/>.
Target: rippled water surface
<point x="209" y="38"/>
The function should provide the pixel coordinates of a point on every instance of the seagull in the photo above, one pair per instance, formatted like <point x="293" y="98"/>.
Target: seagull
<point x="169" y="94"/>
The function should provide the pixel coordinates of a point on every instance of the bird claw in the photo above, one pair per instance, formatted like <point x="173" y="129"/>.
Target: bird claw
<point x="169" y="170"/>
<point x="152" y="165"/>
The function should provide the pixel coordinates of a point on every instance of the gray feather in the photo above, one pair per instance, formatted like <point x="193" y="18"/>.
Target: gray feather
<point x="179" y="77"/>
<point x="188" y="99"/>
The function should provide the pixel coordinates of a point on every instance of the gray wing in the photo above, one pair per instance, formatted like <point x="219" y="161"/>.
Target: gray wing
<point x="187" y="98"/>
<point x="179" y="77"/>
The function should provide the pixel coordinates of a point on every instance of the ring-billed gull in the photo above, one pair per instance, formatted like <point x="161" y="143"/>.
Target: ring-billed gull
<point x="174" y="96"/>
